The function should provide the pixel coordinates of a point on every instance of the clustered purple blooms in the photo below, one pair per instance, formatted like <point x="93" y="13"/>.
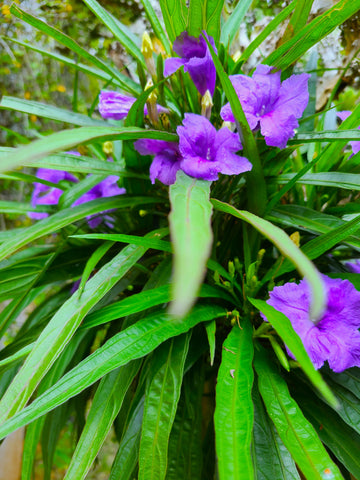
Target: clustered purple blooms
<point x="335" y="338"/>
<point x="270" y="105"/>
<point x="196" y="59"/>
<point x="116" y="105"/>
<point x="203" y="152"/>
<point x="355" y="145"/>
<point x="45" y="195"/>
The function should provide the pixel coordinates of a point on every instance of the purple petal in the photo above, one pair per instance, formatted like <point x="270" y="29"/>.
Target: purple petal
<point x="148" y="146"/>
<point x="164" y="168"/>
<point x="188" y="47"/>
<point x="344" y="114"/>
<point x="196" y="136"/>
<point x="353" y="267"/>
<point x="267" y="87"/>
<point x="114" y="105"/>
<point x="172" y="65"/>
<point x="203" y="73"/>
<point x="277" y="128"/>
<point x="293" y="95"/>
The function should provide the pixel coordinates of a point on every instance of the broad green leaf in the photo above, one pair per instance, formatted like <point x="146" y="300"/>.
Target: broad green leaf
<point x="285" y="330"/>
<point x="205" y="15"/>
<point x="288" y="248"/>
<point x="175" y="17"/>
<point x="161" y="399"/>
<point x="349" y="181"/>
<point x="322" y="25"/>
<point x="72" y="45"/>
<point x="126" y="83"/>
<point x="231" y="26"/>
<point x="210" y="332"/>
<point x="298" y="19"/>
<point x="270" y="27"/>
<point x="134" y="342"/>
<point x="191" y="234"/>
<point x="134" y="239"/>
<point x="270" y="456"/>
<point x="156" y="25"/>
<point x="92" y="262"/>
<point x="185" y="455"/>
<point x="234" y="411"/>
<point x="23" y="352"/>
<point x="349" y="379"/>
<point x="127" y="455"/>
<point x="196" y="18"/>
<point x="342" y="440"/>
<point x="61" y="328"/>
<point x="14" y="207"/>
<point x="48" y="111"/>
<point x="66" y="217"/>
<point x="69" y="138"/>
<point x="295" y="431"/>
<point x="120" y="32"/>
<point x="325" y="136"/>
<point x="105" y="406"/>
<point x="54" y="423"/>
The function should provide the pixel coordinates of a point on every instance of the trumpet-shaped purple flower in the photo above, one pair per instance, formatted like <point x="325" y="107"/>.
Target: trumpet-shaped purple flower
<point x="46" y="195"/>
<point x="106" y="188"/>
<point x="166" y="161"/>
<point x="270" y="105"/>
<point x="116" y="105"/>
<point x="335" y="338"/>
<point x="196" y="59"/>
<point x="207" y="152"/>
<point x="355" y="145"/>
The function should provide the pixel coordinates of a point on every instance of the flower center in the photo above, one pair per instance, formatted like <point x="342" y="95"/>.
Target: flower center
<point x="208" y="154"/>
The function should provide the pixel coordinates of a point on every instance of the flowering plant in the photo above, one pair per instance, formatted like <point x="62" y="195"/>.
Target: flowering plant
<point x="198" y="292"/>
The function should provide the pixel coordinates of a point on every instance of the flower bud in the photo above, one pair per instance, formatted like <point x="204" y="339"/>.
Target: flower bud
<point x="147" y="50"/>
<point x="206" y="105"/>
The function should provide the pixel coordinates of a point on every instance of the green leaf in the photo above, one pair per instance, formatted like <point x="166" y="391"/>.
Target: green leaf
<point x="295" y="431"/>
<point x="349" y="379"/>
<point x="234" y="411"/>
<point x="161" y="399"/>
<point x="61" y="328"/>
<point x="66" y="217"/>
<point x="126" y="83"/>
<point x="325" y="136"/>
<point x="210" y="332"/>
<point x="105" y="406"/>
<point x="133" y="239"/>
<point x="72" y="45"/>
<point x="69" y="138"/>
<point x="185" y="456"/>
<point x="213" y="18"/>
<point x="349" y="181"/>
<point x="191" y="234"/>
<point x="92" y="262"/>
<point x="270" y="27"/>
<point x="298" y="19"/>
<point x="270" y="456"/>
<point x="285" y="330"/>
<point x="322" y="25"/>
<point x="231" y="26"/>
<point x="156" y="25"/>
<point x="175" y="17"/>
<point x="14" y="207"/>
<point x="48" y="111"/>
<point x="288" y="248"/>
<point x="120" y="32"/>
<point x="135" y="342"/>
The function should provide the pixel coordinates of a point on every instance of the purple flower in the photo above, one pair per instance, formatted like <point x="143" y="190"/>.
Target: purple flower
<point x="355" y="145"/>
<point x="106" y="188"/>
<point x="354" y="267"/>
<point x="335" y="338"/>
<point x="196" y="59"/>
<point x="166" y="161"/>
<point x="116" y="105"/>
<point x="270" y="105"/>
<point x="45" y="195"/>
<point x="207" y="152"/>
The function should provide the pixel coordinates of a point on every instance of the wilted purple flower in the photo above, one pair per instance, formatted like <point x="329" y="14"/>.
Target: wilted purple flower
<point x="45" y="195"/>
<point x="116" y="105"/>
<point x="335" y="338"/>
<point x="354" y="267"/>
<point x="207" y="152"/>
<point x="106" y="188"/>
<point x="270" y="105"/>
<point x="355" y="145"/>
<point x="196" y="59"/>
<point x="166" y="161"/>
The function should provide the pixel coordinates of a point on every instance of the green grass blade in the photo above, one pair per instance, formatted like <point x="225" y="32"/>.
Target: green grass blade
<point x="191" y="234"/>
<point x="231" y="26"/>
<point x="161" y="399"/>
<point x="293" y="49"/>
<point x="105" y="406"/>
<point x="120" y="32"/>
<point x="288" y="248"/>
<point x="70" y="138"/>
<point x="175" y="15"/>
<point x="130" y="344"/>
<point x="48" y="111"/>
<point x="234" y="411"/>
<point x="348" y="181"/>
<point x="298" y="19"/>
<point x="285" y="330"/>
<point x="295" y="431"/>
